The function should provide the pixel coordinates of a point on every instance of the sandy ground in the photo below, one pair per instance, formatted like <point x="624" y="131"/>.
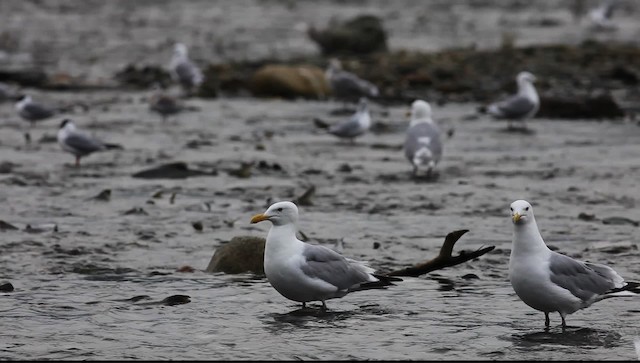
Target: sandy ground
<point x="95" y="39"/>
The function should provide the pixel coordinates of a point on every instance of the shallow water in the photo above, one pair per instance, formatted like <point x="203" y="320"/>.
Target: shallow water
<point x="74" y="286"/>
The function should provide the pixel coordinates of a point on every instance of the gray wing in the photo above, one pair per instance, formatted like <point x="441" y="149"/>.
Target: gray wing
<point x="584" y="280"/>
<point x="328" y="265"/>
<point x="83" y="144"/>
<point x="513" y="107"/>
<point x="165" y="105"/>
<point x="348" y="128"/>
<point x="349" y="85"/>
<point x="36" y="111"/>
<point x="188" y="73"/>
<point x="421" y="135"/>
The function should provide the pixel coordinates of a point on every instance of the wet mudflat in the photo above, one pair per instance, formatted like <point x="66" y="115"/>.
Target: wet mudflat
<point x="76" y="285"/>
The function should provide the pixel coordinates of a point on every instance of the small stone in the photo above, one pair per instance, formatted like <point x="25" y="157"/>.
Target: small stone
<point x="197" y="226"/>
<point x="6" y="287"/>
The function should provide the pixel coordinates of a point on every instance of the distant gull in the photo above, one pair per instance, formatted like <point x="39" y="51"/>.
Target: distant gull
<point x="422" y="144"/>
<point x="32" y="112"/>
<point x="601" y="16"/>
<point x="347" y="86"/>
<point x="551" y="282"/>
<point x="6" y="93"/>
<point x="164" y="104"/>
<point x="304" y="272"/>
<point x="183" y="70"/>
<point x="521" y="106"/>
<point x="79" y="143"/>
<point x="358" y="124"/>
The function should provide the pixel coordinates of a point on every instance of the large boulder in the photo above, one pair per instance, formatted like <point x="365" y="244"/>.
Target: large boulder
<point x="289" y="81"/>
<point x="241" y="254"/>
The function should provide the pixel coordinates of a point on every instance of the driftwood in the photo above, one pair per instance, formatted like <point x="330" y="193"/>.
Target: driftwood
<point x="246" y="254"/>
<point x="444" y="258"/>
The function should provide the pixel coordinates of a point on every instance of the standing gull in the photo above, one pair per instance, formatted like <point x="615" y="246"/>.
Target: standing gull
<point x="164" y="104"/>
<point x="422" y="144"/>
<point x="183" y="70"/>
<point x="551" y="282"/>
<point x="521" y="106"/>
<point x="32" y="112"/>
<point x="358" y="124"/>
<point x="347" y="86"/>
<point x="79" y="143"/>
<point x="6" y="93"/>
<point x="304" y="272"/>
<point x="601" y="16"/>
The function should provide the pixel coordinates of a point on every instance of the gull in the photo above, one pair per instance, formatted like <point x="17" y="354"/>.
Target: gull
<point x="6" y="93"/>
<point x="356" y="125"/>
<point x="422" y="144"/>
<point x="521" y="106"/>
<point x="305" y="272"/>
<point x="79" y="143"/>
<point x="183" y="70"/>
<point x="32" y="112"/>
<point x="164" y="104"/>
<point x="347" y="86"/>
<point x="601" y="16"/>
<point x="552" y="282"/>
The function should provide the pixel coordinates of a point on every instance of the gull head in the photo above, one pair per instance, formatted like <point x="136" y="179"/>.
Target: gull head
<point x="362" y="104"/>
<point x="419" y="109"/>
<point x="67" y="124"/>
<point x="279" y="214"/>
<point x="525" y="77"/>
<point x="335" y="64"/>
<point x="521" y="212"/>
<point x="23" y="100"/>
<point x="180" y="50"/>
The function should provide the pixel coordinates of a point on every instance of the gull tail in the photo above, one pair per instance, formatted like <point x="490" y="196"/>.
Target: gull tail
<point x="630" y="289"/>
<point x="113" y="146"/>
<point x="383" y="282"/>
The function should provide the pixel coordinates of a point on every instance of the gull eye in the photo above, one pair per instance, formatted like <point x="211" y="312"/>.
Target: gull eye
<point x="511" y="209"/>
<point x="279" y="209"/>
<point x="526" y="208"/>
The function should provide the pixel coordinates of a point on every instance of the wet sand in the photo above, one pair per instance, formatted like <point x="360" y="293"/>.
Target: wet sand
<point x="72" y="282"/>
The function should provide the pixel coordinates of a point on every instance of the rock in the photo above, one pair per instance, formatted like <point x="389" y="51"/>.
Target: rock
<point x="197" y="226"/>
<point x="241" y="254"/>
<point x="580" y="107"/>
<point x="620" y="221"/>
<point x="586" y="216"/>
<point x="168" y="301"/>
<point x="289" y="81"/>
<point x="25" y="77"/>
<point x="103" y="196"/>
<point x="176" y="300"/>
<point x="186" y="268"/>
<point x="362" y="34"/>
<point x="6" y="167"/>
<point x="6" y="287"/>
<point x="144" y="77"/>
<point x="4" y="226"/>
<point x="177" y="170"/>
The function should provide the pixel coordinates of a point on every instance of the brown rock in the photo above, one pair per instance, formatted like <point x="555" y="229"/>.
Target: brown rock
<point x="289" y="81"/>
<point x="241" y="254"/>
